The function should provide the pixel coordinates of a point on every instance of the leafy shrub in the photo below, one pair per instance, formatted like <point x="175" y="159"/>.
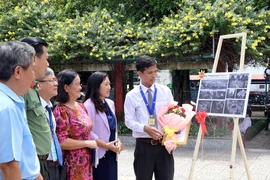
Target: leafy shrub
<point x="260" y="125"/>
<point x="255" y="129"/>
<point x="254" y="121"/>
<point x="194" y="129"/>
<point x="107" y="34"/>
<point x="215" y="132"/>
<point x="212" y="131"/>
<point x="122" y="129"/>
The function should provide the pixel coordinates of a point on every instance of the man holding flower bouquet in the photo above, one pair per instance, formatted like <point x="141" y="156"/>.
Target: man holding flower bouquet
<point x="141" y="106"/>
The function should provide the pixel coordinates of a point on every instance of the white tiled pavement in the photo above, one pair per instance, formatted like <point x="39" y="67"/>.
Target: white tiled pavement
<point x="211" y="164"/>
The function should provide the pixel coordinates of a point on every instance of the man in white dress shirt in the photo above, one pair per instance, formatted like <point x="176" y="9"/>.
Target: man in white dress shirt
<point x="141" y="106"/>
<point x="246" y="123"/>
<point x="48" y="89"/>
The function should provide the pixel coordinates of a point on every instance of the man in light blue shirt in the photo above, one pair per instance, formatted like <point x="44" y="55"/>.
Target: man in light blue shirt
<point x="18" y="157"/>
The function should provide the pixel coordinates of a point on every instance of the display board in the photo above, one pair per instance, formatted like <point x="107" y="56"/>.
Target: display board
<point x="235" y="90"/>
<point x="224" y="94"/>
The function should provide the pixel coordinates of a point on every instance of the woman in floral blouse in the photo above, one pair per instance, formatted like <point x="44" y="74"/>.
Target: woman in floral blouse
<point x="73" y="127"/>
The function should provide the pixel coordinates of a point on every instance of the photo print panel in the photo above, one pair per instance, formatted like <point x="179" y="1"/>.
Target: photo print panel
<point x="224" y="94"/>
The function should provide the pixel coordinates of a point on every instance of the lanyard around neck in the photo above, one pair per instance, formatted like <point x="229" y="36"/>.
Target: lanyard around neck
<point x="152" y="110"/>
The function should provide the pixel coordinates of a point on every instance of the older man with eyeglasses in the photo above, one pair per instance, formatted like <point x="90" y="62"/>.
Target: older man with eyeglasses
<point x="48" y="89"/>
<point x="36" y="117"/>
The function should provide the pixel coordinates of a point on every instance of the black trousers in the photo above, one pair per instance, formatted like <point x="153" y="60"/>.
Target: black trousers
<point x="107" y="167"/>
<point x="53" y="170"/>
<point x="267" y="123"/>
<point x="268" y="119"/>
<point x="149" y="159"/>
<point x="43" y="168"/>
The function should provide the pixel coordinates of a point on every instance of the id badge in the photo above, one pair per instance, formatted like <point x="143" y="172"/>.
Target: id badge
<point x="151" y="121"/>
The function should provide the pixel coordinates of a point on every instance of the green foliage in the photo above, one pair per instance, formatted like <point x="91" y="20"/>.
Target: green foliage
<point x="138" y="9"/>
<point x="97" y="35"/>
<point x="262" y="4"/>
<point x="72" y="8"/>
<point x="260" y="125"/>
<point x="22" y="21"/>
<point x="256" y="120"/>
<point x="215" y="132"/>
<point x="79" y="31"/>
<point x="122" y="129"/>
<point x="194" y="129"/>
<point x="252" y="131"/>
<point x="212" y="130"/>
<point x="134" y="10"/>
<point x="5" y="6"/>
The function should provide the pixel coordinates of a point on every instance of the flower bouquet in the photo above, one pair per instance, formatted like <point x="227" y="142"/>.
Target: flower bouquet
<point x="174" y="118"/>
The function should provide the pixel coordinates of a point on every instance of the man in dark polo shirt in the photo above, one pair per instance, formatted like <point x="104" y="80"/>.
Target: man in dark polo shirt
<point x="36" y="117"/>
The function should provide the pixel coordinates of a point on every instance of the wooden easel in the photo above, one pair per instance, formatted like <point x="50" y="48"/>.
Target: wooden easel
<point x="236" y="132"/>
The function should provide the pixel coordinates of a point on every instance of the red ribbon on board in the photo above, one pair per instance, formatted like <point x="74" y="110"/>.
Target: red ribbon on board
<point x="200" y="116"/>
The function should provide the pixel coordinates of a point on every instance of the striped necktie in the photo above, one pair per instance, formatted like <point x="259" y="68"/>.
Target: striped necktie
<point x="55" y="139"/>
<point x="150" y="102"/>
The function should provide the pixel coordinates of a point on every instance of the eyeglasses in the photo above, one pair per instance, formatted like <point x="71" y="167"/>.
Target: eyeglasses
<point x="48" y="80"/>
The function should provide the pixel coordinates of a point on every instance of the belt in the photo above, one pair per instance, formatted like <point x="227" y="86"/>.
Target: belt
<point x="149" y="140"/>
<point x="43" y="157"/>
<point x="52" y="163"/>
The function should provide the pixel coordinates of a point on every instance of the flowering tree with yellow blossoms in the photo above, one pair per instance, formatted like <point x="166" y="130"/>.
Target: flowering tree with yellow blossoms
<point x="107" y="35"/>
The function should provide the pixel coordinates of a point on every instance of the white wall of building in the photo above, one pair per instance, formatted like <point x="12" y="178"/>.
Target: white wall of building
<point x="164" y="77"/>
<point x="259" y="69"/>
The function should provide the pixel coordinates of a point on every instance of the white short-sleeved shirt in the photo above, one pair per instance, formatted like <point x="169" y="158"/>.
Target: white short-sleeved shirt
<point x="15" y="137"/>
<point x="246" y="123"/>
<point x="136" y="112"/>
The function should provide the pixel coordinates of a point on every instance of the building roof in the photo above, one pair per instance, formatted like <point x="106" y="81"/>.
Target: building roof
<point x="258" y="77"/>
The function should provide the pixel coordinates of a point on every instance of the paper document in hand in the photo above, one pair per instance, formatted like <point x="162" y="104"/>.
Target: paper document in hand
<point x="95" y="157"/>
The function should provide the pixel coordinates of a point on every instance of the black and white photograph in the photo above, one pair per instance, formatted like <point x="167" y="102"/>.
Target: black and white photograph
<point x="204" y="105"/>
<point x="219" y="94"/>
<point x="224" y="94"/>
<point x="217" y="107"/>
<point x="206" y="94"/>
<point x="214" y="84"/>
<point x="230" y="93"/>
<point x="238" y="80"/>
<point x="241" y="93"/>
<point x="212" y="94"/>
<point x="234" y="106"/>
